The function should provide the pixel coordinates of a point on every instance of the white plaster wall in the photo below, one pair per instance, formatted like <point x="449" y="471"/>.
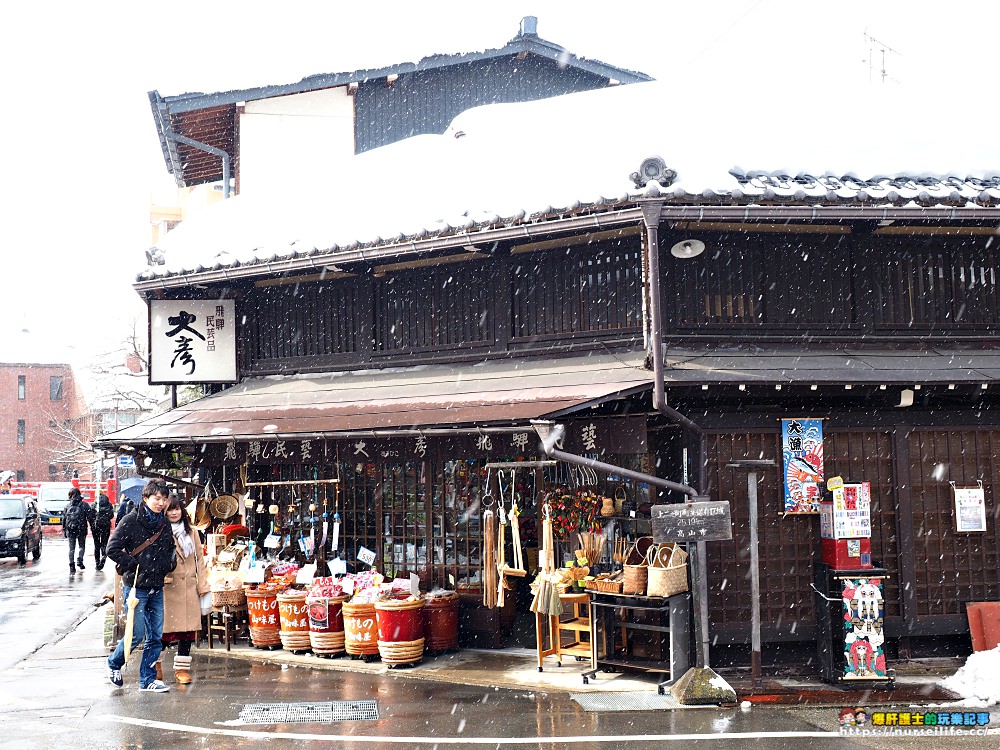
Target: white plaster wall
<point x="288" y="138"/>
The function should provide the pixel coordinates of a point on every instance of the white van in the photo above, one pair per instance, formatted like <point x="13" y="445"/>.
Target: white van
<point x="53" y="498"/>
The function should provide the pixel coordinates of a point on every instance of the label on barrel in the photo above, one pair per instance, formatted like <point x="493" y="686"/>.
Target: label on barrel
<point x="319" y="615"/>
<point x="262" y="610"/>
<point x="359" y="629"/>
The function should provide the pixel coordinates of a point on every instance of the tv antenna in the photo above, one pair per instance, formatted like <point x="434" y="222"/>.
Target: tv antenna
<point x="876" y="56"/>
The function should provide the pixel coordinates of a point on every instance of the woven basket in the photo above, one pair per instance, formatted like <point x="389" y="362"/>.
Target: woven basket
<point x="229" y="598"/>
<point x="607" y="585"/>
<point x="667" y="570"/>
<point x="634" y="567"/>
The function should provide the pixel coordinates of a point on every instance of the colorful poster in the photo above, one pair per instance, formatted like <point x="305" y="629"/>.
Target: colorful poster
<point x="864" y="635"/>
<point x="970" y="508"/>
<point x="802" y="454"/>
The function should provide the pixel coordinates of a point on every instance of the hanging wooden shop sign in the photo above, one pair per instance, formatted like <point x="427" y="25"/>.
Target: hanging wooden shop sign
<point x="601" y="437"/>
<point x="692" y="522"/>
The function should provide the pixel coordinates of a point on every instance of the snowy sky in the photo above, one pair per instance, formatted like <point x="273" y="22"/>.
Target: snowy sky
<point x="82" y="159"/>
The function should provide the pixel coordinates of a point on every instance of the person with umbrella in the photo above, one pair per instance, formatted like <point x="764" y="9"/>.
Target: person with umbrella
<point x="142" y="547"/>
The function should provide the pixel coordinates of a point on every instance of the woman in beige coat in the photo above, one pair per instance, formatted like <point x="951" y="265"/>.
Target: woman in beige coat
<point x="182" y="590"/>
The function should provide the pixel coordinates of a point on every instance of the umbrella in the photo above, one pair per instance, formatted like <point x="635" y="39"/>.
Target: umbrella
<point x="132" y="601"/>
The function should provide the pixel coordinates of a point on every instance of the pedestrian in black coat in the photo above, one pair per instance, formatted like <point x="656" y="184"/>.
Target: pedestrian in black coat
<point x="78" y="516"/>
<point x="101" y="529"/>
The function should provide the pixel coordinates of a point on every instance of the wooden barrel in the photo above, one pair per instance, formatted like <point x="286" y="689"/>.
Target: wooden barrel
<point x="293" y="621"/>
<point x="262" y="608"/>
<point x="441" y="622"/>
<point x="360" y="629"/>
<point x="400" y="631"/>
<point x="326" y="624"/>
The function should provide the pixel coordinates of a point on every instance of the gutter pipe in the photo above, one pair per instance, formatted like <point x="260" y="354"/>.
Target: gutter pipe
<point x="701" y="683"/>
<point x="178" y="138"/>
<point x="605" y="220"/>
<point x="551" y="435"/>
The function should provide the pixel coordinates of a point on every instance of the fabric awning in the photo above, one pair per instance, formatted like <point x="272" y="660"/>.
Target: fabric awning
<point x="494" y="393"/>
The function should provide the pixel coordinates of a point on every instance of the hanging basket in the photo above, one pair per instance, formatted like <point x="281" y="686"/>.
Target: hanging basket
<point x="635" y="567"/>
<point x="667" y="570"/>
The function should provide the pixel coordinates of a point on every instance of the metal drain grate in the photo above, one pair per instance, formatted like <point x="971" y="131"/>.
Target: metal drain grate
<point x="625" y="701"/>
<point x="311" y="713"/>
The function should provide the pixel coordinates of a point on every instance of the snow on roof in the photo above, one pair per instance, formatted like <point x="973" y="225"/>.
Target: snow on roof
<point x="507" y="163"/>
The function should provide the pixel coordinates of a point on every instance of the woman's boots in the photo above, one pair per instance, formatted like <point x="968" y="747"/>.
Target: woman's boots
<point x="182" y="669"/>
<point x="159" y="670"/>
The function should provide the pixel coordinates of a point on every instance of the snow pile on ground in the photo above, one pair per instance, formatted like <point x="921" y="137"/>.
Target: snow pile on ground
<point x="978" y="682"/>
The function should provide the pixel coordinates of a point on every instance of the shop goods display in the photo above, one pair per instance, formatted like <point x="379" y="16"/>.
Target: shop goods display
<point x="400" y="630"/>
<point x="262" y="607"/>
<point x="635" y="567"/>
<point x="441" y="621"/>
<point x="326" y="620"/>
<point x="666" y="573"/>
<point x="360" y="629"/>
<point x="326" y="624"/>
<point x="293" y="621"/>
<point x="227" y="588"/>
<point x="608" y="582"/>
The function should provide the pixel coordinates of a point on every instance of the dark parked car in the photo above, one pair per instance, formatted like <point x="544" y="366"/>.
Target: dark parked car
<point x="20" y="527"/>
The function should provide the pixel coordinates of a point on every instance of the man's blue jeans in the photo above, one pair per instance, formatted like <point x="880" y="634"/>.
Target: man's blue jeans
<point x="148" y="625"/>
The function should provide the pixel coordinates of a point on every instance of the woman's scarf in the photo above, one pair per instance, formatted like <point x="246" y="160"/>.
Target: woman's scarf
<point x="183" y="539"/>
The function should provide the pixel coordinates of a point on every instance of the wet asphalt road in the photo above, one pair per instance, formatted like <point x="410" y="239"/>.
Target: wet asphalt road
<point x="54" y="693"/>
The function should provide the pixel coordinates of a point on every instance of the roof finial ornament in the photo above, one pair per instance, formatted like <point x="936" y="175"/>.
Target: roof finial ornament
<point x="653" y="169"/>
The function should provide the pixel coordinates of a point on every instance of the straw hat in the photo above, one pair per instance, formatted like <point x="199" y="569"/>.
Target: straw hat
<point x="224" y="506"/>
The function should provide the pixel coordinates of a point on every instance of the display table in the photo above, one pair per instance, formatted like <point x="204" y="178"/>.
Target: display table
<point x="666" y="617"/>
<point x="578" y="623"/>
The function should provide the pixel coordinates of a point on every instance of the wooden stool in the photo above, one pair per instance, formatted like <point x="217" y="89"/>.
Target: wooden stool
<point x="229" y="622"/>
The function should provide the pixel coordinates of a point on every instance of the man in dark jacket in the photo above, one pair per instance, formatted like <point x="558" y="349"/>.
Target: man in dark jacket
<point x="77" y="518"/>
<point x="142" y="546"/>
<point x="100" y="529"/>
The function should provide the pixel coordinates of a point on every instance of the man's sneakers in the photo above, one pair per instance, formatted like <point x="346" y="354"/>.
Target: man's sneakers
<point x="156" y="686"/>
<point x="115" y="676"/>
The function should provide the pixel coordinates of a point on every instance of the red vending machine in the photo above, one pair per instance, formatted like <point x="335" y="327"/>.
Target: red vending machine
<point x="845" y="525"/>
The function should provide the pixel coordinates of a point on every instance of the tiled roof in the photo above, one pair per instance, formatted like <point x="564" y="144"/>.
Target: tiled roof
<point x="505" y="167"/>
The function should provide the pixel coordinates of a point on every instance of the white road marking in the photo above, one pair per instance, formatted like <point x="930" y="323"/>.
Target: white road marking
<point x="432" y="740"/>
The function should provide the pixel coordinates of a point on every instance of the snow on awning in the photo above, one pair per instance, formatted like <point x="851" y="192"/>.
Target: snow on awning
<point x="849" y="365"/>
<point x="499" y="393"/>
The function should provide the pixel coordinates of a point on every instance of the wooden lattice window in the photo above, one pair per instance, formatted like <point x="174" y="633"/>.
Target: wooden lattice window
<point x="569" y="291"/>
<point x="952" y="568"/>
<point x="301" y="320"/>
<point x="937" y="284"/>
<point x="433" y="308"/>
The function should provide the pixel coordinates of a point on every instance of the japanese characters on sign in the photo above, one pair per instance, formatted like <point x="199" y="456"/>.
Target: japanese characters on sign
<point x="598" y="437"/>
<point x="848" y="516"/>
<point x="802" y="454"/>
<point x="192" y="341"/>
<point x="692" y="522"/>
<point x="970" y="508"/>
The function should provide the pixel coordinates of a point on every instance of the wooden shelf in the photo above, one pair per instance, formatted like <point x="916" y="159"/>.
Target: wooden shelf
<point x="576" y="605"/>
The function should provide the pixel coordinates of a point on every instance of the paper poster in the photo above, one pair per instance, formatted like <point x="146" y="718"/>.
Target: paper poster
<point x="802" y="461"/>
<point x="864" y="636"/>
<point x="970" y="508"/>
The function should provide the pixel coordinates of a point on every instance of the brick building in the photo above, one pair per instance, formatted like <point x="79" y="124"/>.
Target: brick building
<point x="34" y="399"/>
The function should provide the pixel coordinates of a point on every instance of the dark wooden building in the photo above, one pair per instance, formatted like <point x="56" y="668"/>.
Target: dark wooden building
<point x="869" y="302"/>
